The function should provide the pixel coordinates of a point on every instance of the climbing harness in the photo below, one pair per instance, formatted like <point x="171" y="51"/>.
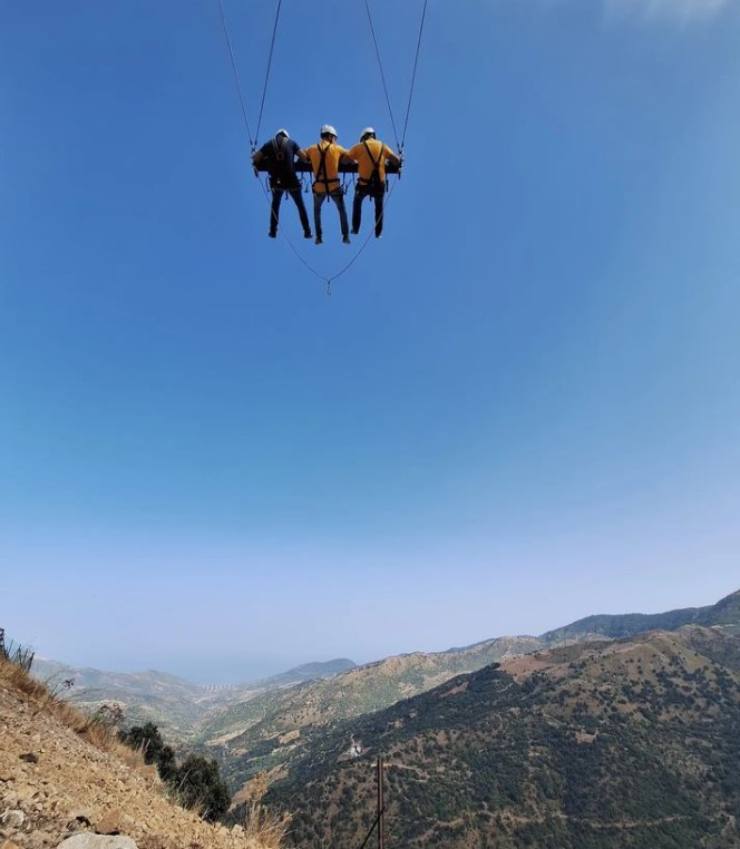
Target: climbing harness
<point x="325" y="180"/>
<point x="374" y="184"/>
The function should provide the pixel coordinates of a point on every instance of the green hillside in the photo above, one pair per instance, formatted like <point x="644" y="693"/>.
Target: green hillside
<point x="725" y="613"/>
<point x="265" y="732"/>
<point x="622" y="745"/>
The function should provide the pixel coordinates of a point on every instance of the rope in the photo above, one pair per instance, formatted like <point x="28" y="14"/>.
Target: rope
<point x="237" y="80"/>
<point x="382" y="72"/>
<point x="359" y="253"/>
<point x="307" y="265"/>
<point x="269" y="66"/>
<point x="372" y="828"/>
<point x="413" y="75"/>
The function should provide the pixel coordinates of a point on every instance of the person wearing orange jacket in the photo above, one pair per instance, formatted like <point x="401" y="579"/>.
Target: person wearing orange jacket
<point x="371" y="156"/>
<point x="325" y="158"/>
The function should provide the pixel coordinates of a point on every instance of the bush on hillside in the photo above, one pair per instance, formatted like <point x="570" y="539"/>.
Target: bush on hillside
<point x="148" y="740"/>
<point x="199" y="785"/>
<point x="196" y="782"/>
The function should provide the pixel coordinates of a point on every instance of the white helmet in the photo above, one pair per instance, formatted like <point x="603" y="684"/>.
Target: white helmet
<point x="368" y="131"/>
<point x="327" y="129"/>
<point x="282" y="132"/>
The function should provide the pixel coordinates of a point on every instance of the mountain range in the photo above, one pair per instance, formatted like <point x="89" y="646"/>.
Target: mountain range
<point x="259" y="738"/>
<point x="260" y="731"/>
<point x="625" y="744"/>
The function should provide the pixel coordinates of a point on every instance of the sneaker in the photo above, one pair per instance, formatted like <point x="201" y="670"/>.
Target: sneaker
<point x="355" y="232"/>
<point x="272" y="235"/>
<point x="319" y="240"/>
<point x="345" y="240"/>
<point x="307" y="234"/>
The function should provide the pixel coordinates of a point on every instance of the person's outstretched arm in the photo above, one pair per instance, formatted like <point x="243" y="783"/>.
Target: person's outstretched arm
<point x="391" y="156"/>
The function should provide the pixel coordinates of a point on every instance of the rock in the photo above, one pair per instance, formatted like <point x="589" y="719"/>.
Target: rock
<point x="97" y="841"/>
<point x="110" y="823"/>
<point x="80" y="819"/>
<point x="29" y="758"/>
<point x="13" y="818"/>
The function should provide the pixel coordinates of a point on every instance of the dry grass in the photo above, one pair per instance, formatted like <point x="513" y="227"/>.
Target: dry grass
<point x="47" y="701"/>
<point x="264" y="829"/>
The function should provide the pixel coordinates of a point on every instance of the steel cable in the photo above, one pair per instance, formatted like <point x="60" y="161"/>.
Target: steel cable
<point x="269" y="66"/>
<point x="413" y="74"/>
<point x="382" y="72"/>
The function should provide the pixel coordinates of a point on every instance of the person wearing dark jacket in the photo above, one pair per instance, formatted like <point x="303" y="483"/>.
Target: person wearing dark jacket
<point x="278" y="156"/>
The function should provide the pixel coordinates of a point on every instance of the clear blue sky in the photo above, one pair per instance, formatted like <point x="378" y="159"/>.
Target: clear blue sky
<point x="522" y="406"/>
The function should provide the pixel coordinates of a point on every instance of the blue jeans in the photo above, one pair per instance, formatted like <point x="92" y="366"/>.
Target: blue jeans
<point x="378" y="195"/>
<point x="338" y="198"/>
<point x="277" y="197"/>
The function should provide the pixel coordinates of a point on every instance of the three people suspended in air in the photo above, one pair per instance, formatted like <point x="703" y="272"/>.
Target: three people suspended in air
<point x="371" y="156"/>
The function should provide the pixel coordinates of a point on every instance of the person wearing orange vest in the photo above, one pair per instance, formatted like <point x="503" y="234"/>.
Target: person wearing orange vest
<point x="325" y="158"/>
<point x="371" y="156"/>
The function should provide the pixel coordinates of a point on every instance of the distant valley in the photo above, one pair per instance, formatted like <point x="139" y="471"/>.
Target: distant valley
<point x="263" y="731"/>
<point x="176" y="705"/>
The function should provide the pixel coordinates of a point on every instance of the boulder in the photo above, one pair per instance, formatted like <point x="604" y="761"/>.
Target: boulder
<point x="86" y="840"/>
<point x="110" y="823"/>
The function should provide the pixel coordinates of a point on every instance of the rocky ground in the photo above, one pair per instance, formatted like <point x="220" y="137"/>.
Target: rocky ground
<point x="56" y="788"/>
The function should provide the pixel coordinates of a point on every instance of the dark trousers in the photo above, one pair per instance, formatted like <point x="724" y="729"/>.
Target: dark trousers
<point x="277" y="199"/>
<point x="378" y="195"/>
<point x="338" y="198"/>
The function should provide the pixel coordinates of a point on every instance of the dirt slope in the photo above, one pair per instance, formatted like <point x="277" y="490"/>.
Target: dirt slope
<point x="53" y="783"/>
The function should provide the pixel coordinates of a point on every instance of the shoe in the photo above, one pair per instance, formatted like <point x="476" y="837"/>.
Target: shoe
<point x="307" y="234"/>
<point x="345" y="240"/>
<point x="378" y="235"/>
<point x="272" y="235"/>
<point x="355" y="232"/>
<point x="319" y="240"/>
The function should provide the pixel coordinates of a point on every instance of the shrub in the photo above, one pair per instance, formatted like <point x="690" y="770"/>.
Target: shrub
<point x="197" y="782"/>
<point x="199" y="785"/>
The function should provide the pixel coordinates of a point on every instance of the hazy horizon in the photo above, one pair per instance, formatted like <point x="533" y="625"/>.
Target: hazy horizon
<point x="232" y="668"/>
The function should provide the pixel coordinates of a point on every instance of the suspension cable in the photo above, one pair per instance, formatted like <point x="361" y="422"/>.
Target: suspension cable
<point x="413" y="75"/>
<point x="269" y="66"/>
<point x="382" y="72"/>
<point x="237" y="80"/>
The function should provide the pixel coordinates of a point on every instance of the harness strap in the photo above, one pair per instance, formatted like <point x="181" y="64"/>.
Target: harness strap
<point x="278" y="150"/>
<point x="376" y="165"/>
<point x="325" y="180"/>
